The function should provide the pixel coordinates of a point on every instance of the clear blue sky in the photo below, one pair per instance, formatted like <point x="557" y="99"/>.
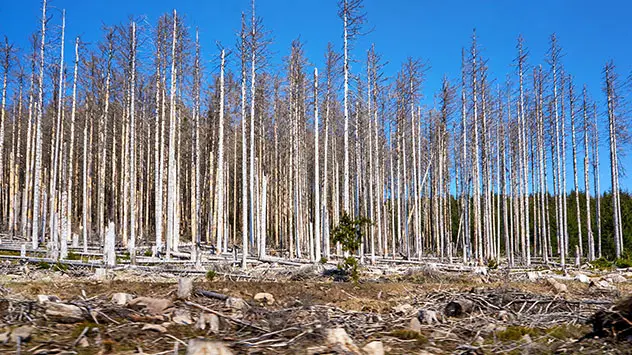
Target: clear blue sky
<point x="590" y="32"/>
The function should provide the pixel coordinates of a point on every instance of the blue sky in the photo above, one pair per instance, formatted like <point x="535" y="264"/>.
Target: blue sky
<point x="590" y="32"/>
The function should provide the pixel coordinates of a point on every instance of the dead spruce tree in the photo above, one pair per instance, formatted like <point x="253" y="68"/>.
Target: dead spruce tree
<point x="136" y="133"/>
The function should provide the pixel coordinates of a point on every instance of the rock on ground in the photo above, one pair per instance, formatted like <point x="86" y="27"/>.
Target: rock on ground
<point x="374" y="348"/>
<point x="264" y="297"/>
<point x="427" y="317"/>
<point x="210" y="320"/>
<point x="236" y="303"/>
<point x="23" y="332"/>
<point x="182" y="316"/>
<point x="154" y="306"/>
<point x="558" y="287"/>
<point x="122" y="298"/>
<point x="339" y="337"/>
<point x="155" y="327"/>
<point x="415" y="325"/>
<point x="62" y="312"/>
<point x="41" y="299"/>
<point x="207" y="347"/>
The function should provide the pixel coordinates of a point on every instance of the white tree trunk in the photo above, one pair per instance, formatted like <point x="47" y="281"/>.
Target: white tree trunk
<point x="171" y="184"/>
<point x="132" y="148"/>
<point x="317" y="230"/>
<point x="219" y="185"/>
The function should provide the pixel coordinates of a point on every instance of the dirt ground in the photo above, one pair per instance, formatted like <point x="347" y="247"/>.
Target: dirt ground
<point x="511" y="313"/>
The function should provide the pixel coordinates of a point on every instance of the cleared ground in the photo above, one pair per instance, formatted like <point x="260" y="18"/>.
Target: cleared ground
<point x="510" y="312"/>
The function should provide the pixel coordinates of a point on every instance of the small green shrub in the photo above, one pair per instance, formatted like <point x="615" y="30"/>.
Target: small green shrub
<point x="348" y="233"/>
<point x="210" y="275"/>
<point x="350" y="267"/>
<point x="565" y="331"/>
<point x="323" y="260"/>
<point x="492" y="264"/>
<point x="60" y="267"/>
<point x="601" y="264"/>
<point x="43" y="265"/>
<point x="623" y="263"/>
<point x="148" y="253"/>
<point x="73" y="256"/>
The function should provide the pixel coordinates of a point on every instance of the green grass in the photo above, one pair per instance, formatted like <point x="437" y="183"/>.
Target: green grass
<point x="406" y="334"/>
<point x="516" y="332"/>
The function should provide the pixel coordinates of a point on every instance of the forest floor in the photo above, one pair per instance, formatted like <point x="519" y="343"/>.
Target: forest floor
<point x="503" y="312"/>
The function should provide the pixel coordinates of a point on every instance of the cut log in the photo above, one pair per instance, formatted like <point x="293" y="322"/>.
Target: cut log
<point x="458" y="308"/>
<point x="211" y="294"/>
<point x="64" y="313"/>
<point x="185" y="288"/>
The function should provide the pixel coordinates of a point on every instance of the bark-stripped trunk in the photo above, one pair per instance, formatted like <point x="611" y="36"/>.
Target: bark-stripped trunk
<point x="172" y="192"/>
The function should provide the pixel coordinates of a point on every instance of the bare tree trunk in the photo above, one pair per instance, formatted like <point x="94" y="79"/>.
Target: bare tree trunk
<point x="574" y="151"/>
<point x="158" y="153"/>
<point x="132" y="149"/>
<point x="6" y="66"/>
<point x="254" y="211"/>
<point x="596" y="179"/>
<point x="71" y="149"/>
<point x="85" y="198"/>
<point x="476" y="171"/>
<point x="614" y="170"/>
<point x="172" y="182"/>
<point x="558" y="141"/>
<point x="526" y="237"/>
<point x="317" y="230"/>
<point x="244" y="174"/>
<point x="589" y="232"/>
<point x="222" y="244"/>
<point x="54" y="173"/>
<point x="26" y="192"/>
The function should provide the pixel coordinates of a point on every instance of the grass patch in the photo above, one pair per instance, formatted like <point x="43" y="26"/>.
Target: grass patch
<point x="623" y="263"/>
<point x="516" y="332"/>
<point x="406" y="334"/>
<point x="78" y="329"/>
<point x="565" y="331"/>
<point x="604" y="264"/>
<point x="74" y="256"/>
<point x="60" y="267"/>
<point x="9" y="252"/>
<point x="123" y="257"/>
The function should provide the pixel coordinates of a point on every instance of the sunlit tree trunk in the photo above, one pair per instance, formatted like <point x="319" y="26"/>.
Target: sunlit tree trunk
<point x="589" y="232"/>
<point x="219" y="185"/>
<point x="614" y="169"/>
<point x="71" y="148"/>
<point x="571" y="96"/>
<point x="172" y="182"/>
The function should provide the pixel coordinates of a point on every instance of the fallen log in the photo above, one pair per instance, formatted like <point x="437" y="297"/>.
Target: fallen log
<point x="458" y="307"/>
<point x="211" y="294"/>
